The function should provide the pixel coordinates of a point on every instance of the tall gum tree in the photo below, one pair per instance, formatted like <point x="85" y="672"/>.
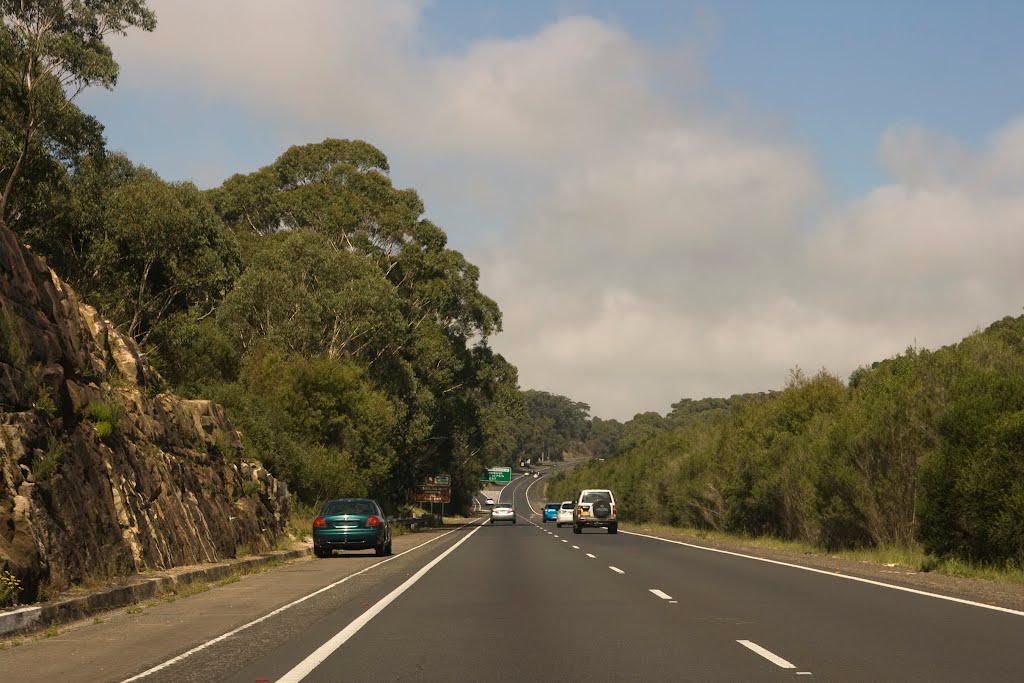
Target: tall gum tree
<point x="50" y="51"/>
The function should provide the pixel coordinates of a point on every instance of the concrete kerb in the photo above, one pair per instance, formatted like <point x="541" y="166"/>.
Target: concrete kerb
<point x="138" y="588"/>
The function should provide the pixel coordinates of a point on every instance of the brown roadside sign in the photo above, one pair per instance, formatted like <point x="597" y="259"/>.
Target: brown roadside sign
<point x="433" y="493"/>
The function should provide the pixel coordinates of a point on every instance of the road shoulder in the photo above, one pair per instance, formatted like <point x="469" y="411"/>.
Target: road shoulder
<point x="1008" y="595"/>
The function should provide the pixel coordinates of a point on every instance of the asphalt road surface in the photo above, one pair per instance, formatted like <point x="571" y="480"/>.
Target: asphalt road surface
<point x="533" y="602"/>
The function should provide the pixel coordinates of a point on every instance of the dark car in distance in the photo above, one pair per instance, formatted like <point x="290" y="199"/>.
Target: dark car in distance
<point x="351" y="524"/>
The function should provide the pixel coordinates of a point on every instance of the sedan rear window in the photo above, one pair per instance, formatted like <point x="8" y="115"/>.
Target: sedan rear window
<point x="350" y="507"/>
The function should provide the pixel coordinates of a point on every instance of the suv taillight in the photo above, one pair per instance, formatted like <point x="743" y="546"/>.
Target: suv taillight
<point x="613" y="509"/>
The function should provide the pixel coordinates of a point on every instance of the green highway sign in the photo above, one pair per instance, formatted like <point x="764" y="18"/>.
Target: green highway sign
<point x="498" y="475"/>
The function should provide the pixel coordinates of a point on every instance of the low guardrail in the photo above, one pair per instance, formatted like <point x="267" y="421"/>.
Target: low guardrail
<point x="414" y="523"/>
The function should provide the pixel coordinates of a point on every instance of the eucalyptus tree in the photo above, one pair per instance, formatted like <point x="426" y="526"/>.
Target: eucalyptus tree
<point x="408" y="309"/>
<point x="50" y="51"/>
<point x="306" y="297"/>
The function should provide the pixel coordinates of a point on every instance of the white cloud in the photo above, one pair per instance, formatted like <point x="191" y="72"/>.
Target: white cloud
<point x="938" y="253"/>
<point x="643" y="245"/>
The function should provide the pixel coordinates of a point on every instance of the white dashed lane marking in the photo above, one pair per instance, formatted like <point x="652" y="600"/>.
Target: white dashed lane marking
<point x="661" y="594"/>
<point x="616" y="570"/>
<point x="593" y="557"/>
<point x="767" y="654"/>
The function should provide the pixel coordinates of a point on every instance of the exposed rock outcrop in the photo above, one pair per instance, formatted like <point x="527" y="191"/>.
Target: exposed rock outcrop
<point x="101" y="473"/>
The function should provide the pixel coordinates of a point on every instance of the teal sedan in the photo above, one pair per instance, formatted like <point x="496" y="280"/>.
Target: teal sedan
<point x="351" y="524"/>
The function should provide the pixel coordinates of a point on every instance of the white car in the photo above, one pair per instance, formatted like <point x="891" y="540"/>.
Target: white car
<point x="595" y="507"/>
<point x="564" y="515"/>
<point x="489" y="502"/>
<point x="503" y="512"/>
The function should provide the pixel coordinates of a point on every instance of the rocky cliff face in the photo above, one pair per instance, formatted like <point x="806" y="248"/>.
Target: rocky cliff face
<point x="101" y="474"/>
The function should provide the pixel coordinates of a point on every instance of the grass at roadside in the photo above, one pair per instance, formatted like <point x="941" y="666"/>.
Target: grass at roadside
<point x="909" y="558"/>
<point x="300" y="524"/>
<point x="971" y="571"/>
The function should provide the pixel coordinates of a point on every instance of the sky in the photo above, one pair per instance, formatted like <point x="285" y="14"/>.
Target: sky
<point x="667" y="199"/>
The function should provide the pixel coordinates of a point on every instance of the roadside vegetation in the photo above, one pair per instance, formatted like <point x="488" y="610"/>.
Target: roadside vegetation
<point x="923" y="453"/>
<point x="350" y="344"/>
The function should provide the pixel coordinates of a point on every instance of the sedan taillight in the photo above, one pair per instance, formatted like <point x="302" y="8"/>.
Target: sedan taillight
<point x="319" y="522"/>
<point x="372" y="520"/>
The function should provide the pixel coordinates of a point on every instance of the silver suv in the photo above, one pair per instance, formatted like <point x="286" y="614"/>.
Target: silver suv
<point x="595" y="507"/>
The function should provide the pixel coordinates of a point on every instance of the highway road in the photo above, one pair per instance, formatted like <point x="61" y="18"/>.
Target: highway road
<point x="533" y="602"/>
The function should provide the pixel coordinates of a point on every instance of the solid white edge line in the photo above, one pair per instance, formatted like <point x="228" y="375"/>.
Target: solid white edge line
<point x="661" y="594"/>
<point x="528" y="493"/>
<point x="915" y="591"/>
<point x="767" y="654"/>
<point x="306" y="666"/>
<point x="224" y="636"/>
<point x="616" y="570"/>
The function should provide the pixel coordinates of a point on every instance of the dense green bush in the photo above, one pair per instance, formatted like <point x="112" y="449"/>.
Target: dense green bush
<point x="973" y="507"/>
<point x="926" y="447"/>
